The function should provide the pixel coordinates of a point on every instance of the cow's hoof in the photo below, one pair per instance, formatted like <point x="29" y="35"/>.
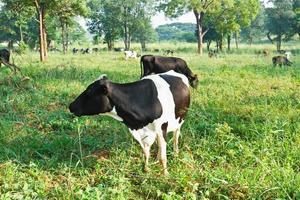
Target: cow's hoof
<point x="166" y="173"/>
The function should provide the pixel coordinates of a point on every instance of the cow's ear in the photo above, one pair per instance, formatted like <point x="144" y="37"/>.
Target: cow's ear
<point x="103" y="77"/>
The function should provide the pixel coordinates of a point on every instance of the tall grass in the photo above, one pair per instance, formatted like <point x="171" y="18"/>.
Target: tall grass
<point x="240" y="140"/>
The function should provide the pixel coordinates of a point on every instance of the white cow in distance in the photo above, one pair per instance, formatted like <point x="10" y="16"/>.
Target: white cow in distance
<point x="131" y="54"/>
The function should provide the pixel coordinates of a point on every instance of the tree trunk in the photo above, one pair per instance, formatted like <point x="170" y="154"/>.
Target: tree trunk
<point x="62" y="35"/>
<point x="250" y="41"/>
<point x="221" y="43"/>
<point x="236" y="37"/>
<point x="41" y="38"/>
<point x="126" y="36"/>
<point x="200" y="34"/>
<point x="44" y="34"/>
<point x="10" y="46"/>
<point x="228" y="41"/>
<point x="143" y="45"/>
<point x="110" y="45"/>
<point x="67" y="37"/>
<point x="208" y="45"/>
<point x="279" y="40"/>
<point x="21" y="33"/>
<point x="269" y="37"/>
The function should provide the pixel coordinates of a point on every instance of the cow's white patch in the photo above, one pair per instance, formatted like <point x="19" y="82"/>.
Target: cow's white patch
<point x="113" y="114"/>
<point x="288" y="54"/>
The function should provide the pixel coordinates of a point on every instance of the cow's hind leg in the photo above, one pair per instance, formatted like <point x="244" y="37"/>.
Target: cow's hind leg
<point x="162" y="152"/>
<point x="175" y="141"/>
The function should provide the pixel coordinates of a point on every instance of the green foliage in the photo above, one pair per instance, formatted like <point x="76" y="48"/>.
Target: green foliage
<point x="256" y="30"/>
<point x="240" y="139"/>
<point x="281" y="21"/>
<point x="105" y="20"/>
<point x="177" y="31"/>
<point x="121" y="19"/>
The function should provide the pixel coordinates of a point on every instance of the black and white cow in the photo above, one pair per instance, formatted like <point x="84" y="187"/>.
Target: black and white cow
<point x="131" y="54"/>
<point x="159" y="64"/>
<point x="150" y="108"/>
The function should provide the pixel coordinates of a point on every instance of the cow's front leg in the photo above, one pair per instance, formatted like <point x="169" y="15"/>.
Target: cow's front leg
<point x="162" y="152"/>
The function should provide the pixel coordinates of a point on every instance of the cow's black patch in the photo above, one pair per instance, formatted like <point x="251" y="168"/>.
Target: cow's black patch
<point x="159" y="64"/>
<point x="136" y="103"/>
<point x="181" y="95"/>
<point x="164" y="128"/>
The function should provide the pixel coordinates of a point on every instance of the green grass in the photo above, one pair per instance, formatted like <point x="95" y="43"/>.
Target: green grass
<point x="241" y="138"/>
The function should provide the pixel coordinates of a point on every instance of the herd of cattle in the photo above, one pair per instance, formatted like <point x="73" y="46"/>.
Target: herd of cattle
<point x="150" y="107"/>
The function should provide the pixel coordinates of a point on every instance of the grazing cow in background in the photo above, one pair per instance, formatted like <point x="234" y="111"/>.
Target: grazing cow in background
<point x="74" y="50"/>
<point x="87" y="50"/>
<point x="150" y="108"/>
<point x="213" y="53"/>
<point x="95" y="50"/>
<point x="4" y="55"/>
<point x="169" y="52"/>
<point x="159" y="64"/>
<point x="54" y="49"/>
<point x="118" y="49"/>
<point x="281" y="60"/>
<point x="262" y="52"/>
<point x="131" y="54"/>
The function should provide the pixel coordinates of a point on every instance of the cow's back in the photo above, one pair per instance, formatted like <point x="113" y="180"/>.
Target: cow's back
<point x="168" y="63"/>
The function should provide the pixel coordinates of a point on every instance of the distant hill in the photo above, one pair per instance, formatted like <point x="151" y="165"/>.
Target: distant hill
<point x="177" y="31"/>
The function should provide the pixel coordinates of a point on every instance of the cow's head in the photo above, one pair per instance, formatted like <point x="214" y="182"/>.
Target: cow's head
<point x="194" y="81"/>
<point x="93" y="100"/>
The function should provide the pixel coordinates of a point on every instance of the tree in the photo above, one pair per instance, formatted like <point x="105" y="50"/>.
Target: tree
<point x="177" y="31"/>
<point x="257" y="28"/>
<point x="134" y="13"/>
<point x="105" y="20"/>
<point x="239" y="14"/>
<point x="13" y="20"/>
<point x="120" y="19"/>
<point x="296" y="8"/>
<point x="280" y="21"/>
<point x="65" y="10"/>
<point x="201" y="9"/>
<point x="144" y="32"/>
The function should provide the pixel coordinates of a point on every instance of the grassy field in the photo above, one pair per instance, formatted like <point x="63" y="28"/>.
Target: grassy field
<point x="241" y="138"/>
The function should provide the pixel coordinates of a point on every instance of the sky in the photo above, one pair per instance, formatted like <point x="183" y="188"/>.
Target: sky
<point x="160" y="19"/>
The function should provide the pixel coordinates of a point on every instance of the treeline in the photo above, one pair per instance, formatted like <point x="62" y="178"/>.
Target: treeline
<point x="184" y="32"/>
<point x="40" y="23"/>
